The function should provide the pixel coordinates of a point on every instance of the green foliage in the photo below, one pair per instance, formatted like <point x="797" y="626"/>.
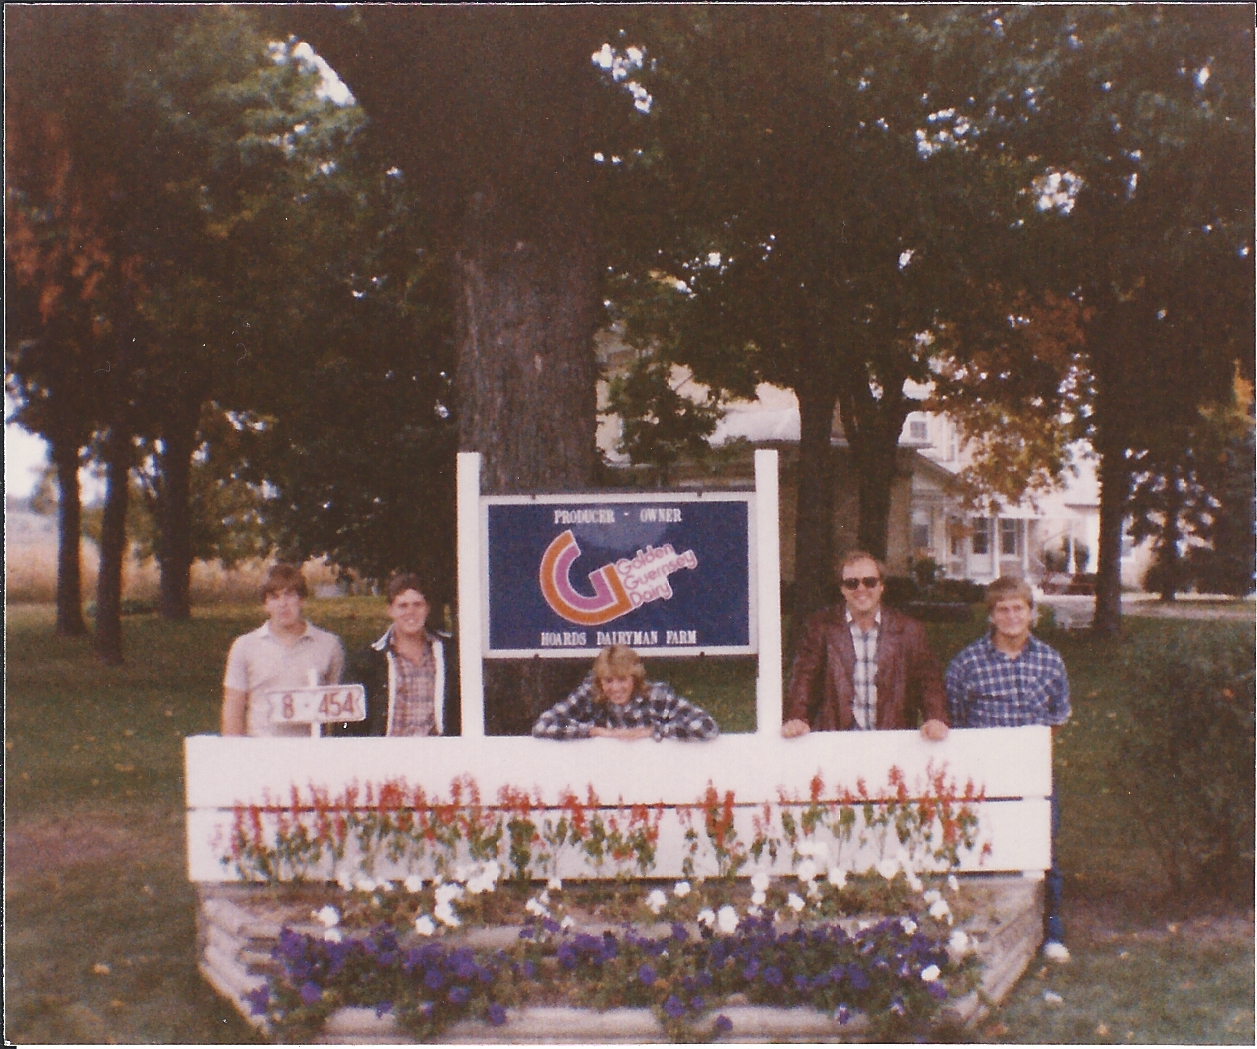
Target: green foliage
<point x="661" y="424"/>
<point x="1188" y="759"/>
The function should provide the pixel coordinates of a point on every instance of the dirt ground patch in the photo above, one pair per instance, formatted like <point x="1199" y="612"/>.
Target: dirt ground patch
<point x="35" y="845"/>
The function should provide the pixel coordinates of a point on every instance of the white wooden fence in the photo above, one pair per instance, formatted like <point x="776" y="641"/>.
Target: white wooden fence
<point x="1010" y="768"/>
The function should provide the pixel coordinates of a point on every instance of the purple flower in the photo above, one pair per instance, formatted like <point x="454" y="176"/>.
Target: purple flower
<point x="678" y="932"/>
<point x="496" y="1015"/>
<point x="723" y="1024"/>
<point x="673" y="1007"/>
<point x="752" y="969"/>
<point x="530" y="970"/>
<point x="310" y="992"/>
<point x="258" y="1000"/>
<point x="938" y="989"/>
<point x="773" y="976"/>
<point x="381" y="1008"/>
<point x="843" y="1014"/>
<point x="458" y="995"/>
<point x="697" y="1003"/>
<point x="647" y="975"/>
<point x="433" y="979"/>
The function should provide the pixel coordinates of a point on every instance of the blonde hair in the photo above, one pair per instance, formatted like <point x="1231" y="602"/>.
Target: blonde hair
<point x="618" y="661"/>
<point x="1006" y="588"/>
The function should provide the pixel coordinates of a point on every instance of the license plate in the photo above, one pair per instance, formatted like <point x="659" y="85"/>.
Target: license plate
<point x="318" y="704"/>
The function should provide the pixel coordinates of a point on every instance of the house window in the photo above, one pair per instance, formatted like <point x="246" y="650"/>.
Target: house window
<point x="958" y="546"/>
<point x="1008" y="536"/>
<point x="918" y="430"/>
<point x="981" y="536"/>
<point x="920" y="535"/>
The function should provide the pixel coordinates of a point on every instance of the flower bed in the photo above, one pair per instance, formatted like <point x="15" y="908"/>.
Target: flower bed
<point x="694" y="954"/>
<point x="402" y="828"/>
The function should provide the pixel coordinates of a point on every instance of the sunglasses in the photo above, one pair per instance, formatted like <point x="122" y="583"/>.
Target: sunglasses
<point x="871" y="582"/>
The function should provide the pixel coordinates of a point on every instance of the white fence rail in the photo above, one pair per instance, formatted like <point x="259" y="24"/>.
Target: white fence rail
<point x="1009" y="768"/>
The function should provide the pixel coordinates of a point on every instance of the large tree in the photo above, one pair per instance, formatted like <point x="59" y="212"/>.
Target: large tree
<point x="1142" y="118"/>
<point x="818" y="187"/>
<point x="491" y="113"/>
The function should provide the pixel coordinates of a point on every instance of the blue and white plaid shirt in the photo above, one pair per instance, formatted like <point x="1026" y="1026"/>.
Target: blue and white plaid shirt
<point x="988" y="689"/>
<point x="864" y="673"/>
<point x="668" y="715"/>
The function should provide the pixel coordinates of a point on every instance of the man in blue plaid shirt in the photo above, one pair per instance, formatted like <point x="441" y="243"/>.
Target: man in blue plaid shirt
<point x="617" y="702"/>
<point x="1009" y="678"/>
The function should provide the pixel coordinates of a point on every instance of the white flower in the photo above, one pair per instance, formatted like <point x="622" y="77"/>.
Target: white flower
<point x="939" y="909"/>
<point x="930" y="973"/>
<point x="753" y="911"/>
<point x="837" y="877"/>
<point x="364" y="884"/>
<point x="888" y="868"/>
<point x="656" y="901"/>
<point x="413" y="883"/>
<point x="953" y="883"/>
<point x="862" y="925"/>
<point x="445" y="913"/>
<point x="333" y="935"/>
<point x="759" y="881"/>
<point x="959" y="941"/>
<point x="707" y="917"/>
<point x="727" y="919"/>
<point x="909" y="926"/>
<point x="328" y="915"/>
<point x="813" y="891"/>
<point x="806" y="871"/>
<point x="544" y="898"/>
<point x="538" y="908"/>
<point x="933" y="896"/>
<point x="384" y="885"/>
<point x="795" y="902"/>
<point x="566" y="923"/>
<point x="759" y="898"/>
<point x="448" y="893"/>
<point x="682" y="889"/>
<point x="424" y="925"/>
<point x="555" y="885"/>
<point x="345" y="881"/>
<point x="914" y="883"/>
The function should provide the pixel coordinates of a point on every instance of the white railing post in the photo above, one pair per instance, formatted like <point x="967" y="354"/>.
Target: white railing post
<point x="768" y="684"/>
<point x="470" y="646"/>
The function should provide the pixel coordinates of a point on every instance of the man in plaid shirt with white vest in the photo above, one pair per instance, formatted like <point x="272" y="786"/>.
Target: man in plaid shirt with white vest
<point x="1012" y="678"/>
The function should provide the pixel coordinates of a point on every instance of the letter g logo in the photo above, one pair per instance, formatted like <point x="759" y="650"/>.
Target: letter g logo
<point x="609" y="601"/>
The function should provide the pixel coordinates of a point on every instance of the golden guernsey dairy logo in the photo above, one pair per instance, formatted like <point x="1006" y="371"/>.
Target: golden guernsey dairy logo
<point x="619" y="586"/>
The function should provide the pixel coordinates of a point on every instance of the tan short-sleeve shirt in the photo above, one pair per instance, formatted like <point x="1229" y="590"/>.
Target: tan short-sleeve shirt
<point x="259" y="661"/>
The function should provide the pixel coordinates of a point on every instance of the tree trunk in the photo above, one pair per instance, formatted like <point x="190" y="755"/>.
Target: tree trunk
<point x="1114" y="475"/>
<point x="174" y="512"/>
<point x="70" y="622"/>
<point x="1168" y="555"/>
<point x="527" y="309"/>
<point x="113" y="547"/>
<point x="814" y="512"/>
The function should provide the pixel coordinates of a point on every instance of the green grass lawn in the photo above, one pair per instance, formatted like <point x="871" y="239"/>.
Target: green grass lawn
<point x="100" y="942"/>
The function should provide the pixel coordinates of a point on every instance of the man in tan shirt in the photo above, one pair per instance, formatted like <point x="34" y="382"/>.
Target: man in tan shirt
<point x="284" y="652"/>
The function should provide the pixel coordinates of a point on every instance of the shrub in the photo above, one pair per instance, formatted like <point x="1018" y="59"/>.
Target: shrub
<point x="1187" y="760"/>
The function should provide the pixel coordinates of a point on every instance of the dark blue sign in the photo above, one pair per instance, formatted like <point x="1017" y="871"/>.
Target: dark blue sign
<point x="666" y="575"/>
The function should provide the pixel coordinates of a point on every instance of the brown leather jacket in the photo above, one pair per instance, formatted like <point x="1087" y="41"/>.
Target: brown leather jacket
<point x="909" y="680"/>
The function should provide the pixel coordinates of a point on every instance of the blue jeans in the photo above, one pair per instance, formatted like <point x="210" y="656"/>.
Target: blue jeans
<point x="1053" y="883"/>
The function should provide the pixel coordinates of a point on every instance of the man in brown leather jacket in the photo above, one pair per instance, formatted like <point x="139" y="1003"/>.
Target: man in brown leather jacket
<point x="861" y="666"/>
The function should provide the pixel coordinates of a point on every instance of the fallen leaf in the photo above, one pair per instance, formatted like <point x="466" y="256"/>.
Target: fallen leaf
<point x="101" y="969"/>
<point x="1102" y="1031"/>
<point x="124" y="768"/>
<point x="117" y="1003"/>
<point x="1173" y="926"/>
<point x="996" y="1030"/>
<point x="1042" y="973"/>
<point x="1124" y="954"/>
<point x="1052" y="997"/>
